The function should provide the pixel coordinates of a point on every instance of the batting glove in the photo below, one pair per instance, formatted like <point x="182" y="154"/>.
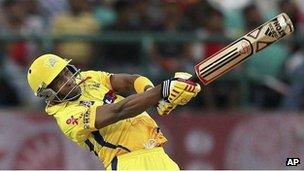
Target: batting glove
<point x="177" y="91"/>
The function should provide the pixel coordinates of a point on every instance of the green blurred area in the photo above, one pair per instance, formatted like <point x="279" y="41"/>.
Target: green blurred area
<point x="268" y="62"/>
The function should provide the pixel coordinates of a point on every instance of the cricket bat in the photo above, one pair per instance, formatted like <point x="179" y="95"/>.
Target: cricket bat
<point x="232" y="55"/>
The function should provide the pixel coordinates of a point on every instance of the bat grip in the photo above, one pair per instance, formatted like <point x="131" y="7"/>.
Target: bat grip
<point x="194" y="79"/>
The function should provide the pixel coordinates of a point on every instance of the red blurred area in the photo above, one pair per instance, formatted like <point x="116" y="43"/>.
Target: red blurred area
<point x="197" y="140"/>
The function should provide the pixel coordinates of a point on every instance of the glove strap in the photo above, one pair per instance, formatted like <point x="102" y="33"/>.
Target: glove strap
<point x="166" y="88"/>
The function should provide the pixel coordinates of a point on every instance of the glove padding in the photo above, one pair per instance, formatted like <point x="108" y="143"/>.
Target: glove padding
<point x="164" y="107"/>
<point x="179" y="91"/>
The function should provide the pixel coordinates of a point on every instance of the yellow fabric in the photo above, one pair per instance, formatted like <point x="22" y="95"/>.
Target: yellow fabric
<point x="89" y="118"/>
<point x="141" y="83"/>
<point x="132" y="133"/>
<point x="152" y="159"/>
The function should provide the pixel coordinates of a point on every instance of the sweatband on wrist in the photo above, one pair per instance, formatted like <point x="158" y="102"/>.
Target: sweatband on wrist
<point x="141" y="83"/>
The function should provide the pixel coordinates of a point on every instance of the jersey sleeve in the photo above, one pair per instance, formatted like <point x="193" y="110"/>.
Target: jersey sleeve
<point x="77" y="122"/>
<point x="105" y="79"/>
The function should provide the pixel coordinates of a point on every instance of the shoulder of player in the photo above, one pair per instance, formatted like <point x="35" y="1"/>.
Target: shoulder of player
<point x="70" y="120"/>
<point x="89" y="73"/>
<point x="95" y="74"/>
<point x="70" y="109"/>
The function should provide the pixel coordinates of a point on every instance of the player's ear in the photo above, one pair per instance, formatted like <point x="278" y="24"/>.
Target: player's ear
<point x="47" y="94"/>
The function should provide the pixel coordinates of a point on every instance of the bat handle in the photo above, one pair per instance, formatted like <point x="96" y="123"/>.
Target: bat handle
<point x="194" y="79"/>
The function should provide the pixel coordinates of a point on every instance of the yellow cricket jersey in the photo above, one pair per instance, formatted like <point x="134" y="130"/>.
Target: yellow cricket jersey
<point x="76" y="120"/>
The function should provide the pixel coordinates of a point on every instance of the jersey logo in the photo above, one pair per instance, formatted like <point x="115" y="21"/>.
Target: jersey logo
<point x="151" y="143"/>
<point x="109" y="97"/>
<point x="86" y="120"/>
<point x="86" y="103"/>
<point x="72" y="120"/>
<point x="96" y="85"/>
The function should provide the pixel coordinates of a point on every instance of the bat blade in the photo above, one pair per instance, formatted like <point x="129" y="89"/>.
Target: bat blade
<point x="232" y="55"/>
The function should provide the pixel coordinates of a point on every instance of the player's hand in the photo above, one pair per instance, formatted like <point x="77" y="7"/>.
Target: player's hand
<point x="179" y="91"/>
<point x="165" y="107"/>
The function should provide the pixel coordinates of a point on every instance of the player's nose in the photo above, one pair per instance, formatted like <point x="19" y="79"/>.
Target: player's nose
<point x="70" y="83"/>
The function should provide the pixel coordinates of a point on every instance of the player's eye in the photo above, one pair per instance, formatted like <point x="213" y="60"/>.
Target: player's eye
<point x="66" y="72"/>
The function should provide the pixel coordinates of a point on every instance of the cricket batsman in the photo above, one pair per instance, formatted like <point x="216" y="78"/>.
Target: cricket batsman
<point x="90" y="111"/>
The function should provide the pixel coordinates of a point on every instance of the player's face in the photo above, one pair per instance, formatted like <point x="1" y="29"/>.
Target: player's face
<point x="65" y="85"/>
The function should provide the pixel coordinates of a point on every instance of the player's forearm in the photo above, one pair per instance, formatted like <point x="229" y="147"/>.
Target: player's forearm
<point x="136" y="104"/>
<point x="129" y="107"/>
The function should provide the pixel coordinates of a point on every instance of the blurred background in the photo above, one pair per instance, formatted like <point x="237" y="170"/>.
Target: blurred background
<point x="251" y="118"/>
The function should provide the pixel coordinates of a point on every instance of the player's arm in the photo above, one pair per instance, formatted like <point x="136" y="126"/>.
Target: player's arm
<point x="129" y="107"/>
<point x="175" y="91"/>
<point x="122" y="83"/>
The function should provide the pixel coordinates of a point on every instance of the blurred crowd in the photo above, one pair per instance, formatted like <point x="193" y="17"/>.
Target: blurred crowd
<point x="273" y="79"/>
